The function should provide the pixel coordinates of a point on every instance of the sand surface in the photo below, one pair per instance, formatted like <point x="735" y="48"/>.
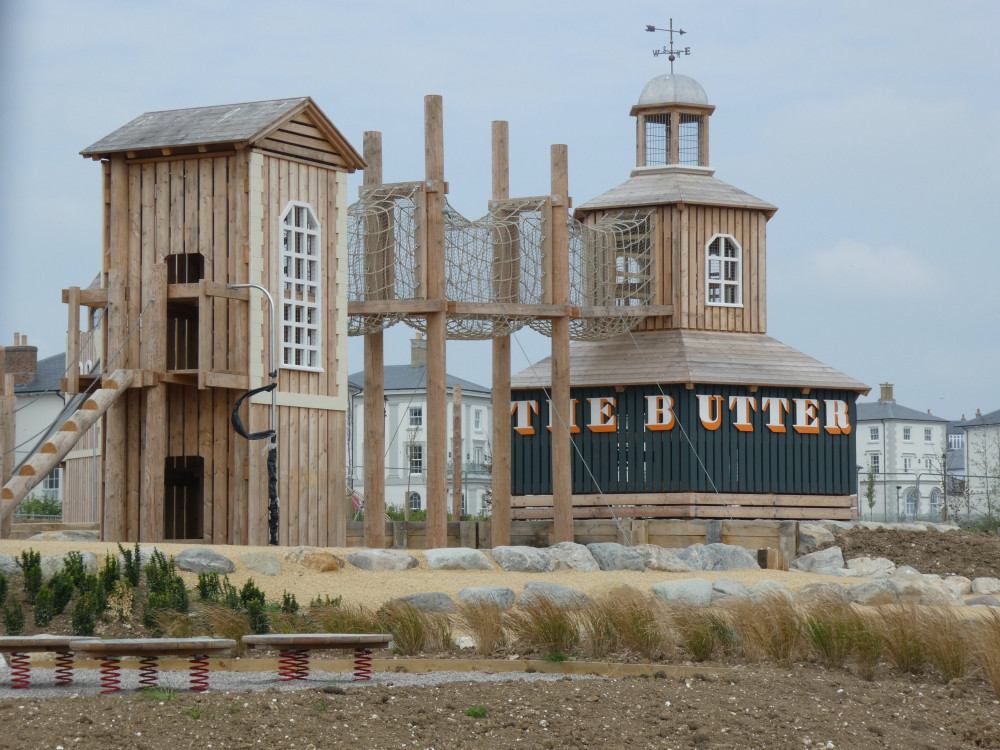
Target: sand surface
<point x="373" y="589"/>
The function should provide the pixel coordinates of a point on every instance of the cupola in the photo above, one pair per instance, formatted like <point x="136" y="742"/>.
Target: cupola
<point x="672" y="124"/>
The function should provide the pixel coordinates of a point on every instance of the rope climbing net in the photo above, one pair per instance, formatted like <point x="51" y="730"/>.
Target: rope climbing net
<point x="611" y="274"/>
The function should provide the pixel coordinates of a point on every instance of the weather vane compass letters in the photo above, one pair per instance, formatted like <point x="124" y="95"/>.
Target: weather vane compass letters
<point x="671" y="53"/>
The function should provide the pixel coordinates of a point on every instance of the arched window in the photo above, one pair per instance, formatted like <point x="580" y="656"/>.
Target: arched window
<point x="935" y="501"/>
<point x="414" y="501"/>
<point x="300" y="295"/>
<point x="724" y="271"/>
<point x="912" y="502"/>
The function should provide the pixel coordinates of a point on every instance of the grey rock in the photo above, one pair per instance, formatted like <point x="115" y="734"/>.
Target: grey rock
<point x="52" y="564"/>
<point x="457" y="558"/>
<point x="813" y="536"/>
<point x="70" y="535"/>
<point x="833" y="526"/>
<point x="464" y="642"/>
<point x="983" y="601"/>
<point x="942" y="527"/>
<point x="816" y="592"/>
<point x="502" y="596"/>
<point x="986" y="586"/>
<point x="906" y="570"/>
<point x="872" y="592"/>
<point x="768" y="588"/>
<point x="561" y="596"/>
<point x="264" y="563"/>
<point x="8" y="565"/>
<point x="572" y="556"/>
<point x="660" y="558"/>
<point x="867" y="567"/>
<point x="916" y="589"/>
<point x="725" y="587"/>
<point x="733" y="557"/>
<point x="909" y="526"/>
<point x="694" y="591"/>
<point x="202" y="560"/>
<point x="522" y="559"/>
<point x="698" y="557"/>
<point x="961" y="584"/>
<point x="382" y="559"/>
<point x="613" y="556"/>
<point x="145" y="555"/>
<point x="830" y="558"/>
<point x="431" y="602"/>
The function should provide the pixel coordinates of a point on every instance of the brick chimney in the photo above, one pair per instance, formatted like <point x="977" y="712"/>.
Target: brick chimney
<point x="886" y="396"/>
<point x="21" y="360"/>
<point x="418" y="351"/>
<point x="979" y="414"/>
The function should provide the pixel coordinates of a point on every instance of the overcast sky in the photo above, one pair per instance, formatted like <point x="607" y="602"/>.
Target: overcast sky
<point x="873" y="126"/>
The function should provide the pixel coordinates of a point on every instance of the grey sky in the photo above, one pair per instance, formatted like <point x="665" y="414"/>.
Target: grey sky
<point x="871" y="125"/>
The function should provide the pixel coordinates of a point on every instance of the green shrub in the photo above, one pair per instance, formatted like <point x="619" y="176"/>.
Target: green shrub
<point x="44" y="607"/>
<point x="92" y="585"/>
<point x="132" y="567"/>
<point x="74" y="568"/>
<point x="325" y="601"/>
<point x="260" y="623"/>
<point x="250" y="593"/>
<point x="62" y="591"/>
<point x="288" y="604"/>
<point x="13" y="618"/>
<point x="4" y="588"/>
<point x="85" y="614"/>
<point x="209" y="586"/>
<point x="39" y="506"/>
<point x="31" y="566"/>
<point x="111" y="572"/>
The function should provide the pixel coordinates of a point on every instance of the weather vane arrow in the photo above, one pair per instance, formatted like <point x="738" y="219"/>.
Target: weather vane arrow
<point x="671" y="53"/>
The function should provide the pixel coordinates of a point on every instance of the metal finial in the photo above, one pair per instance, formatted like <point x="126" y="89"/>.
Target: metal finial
<point x="671" y="53"/>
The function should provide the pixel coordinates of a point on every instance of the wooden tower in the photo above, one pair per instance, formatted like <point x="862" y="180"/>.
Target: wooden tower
<point x="196" y="200"/>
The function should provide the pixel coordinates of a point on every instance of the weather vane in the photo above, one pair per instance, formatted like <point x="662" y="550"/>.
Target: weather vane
<point x="671" y="53"/>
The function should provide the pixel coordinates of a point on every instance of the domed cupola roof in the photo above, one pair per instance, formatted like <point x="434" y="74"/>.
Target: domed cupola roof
<point x="672" y="88"/>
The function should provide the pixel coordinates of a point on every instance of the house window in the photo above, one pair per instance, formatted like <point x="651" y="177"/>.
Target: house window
<point x="416" y="416"/>
<point x="873" y="433"/>
<point x="300" y="296"/>
<point x="956" y="441"/>
<point x="51" y="484"/>
<point x="906" y="433"/>
<point x="414" y="501"/>
<point x="465" y="504"/>
<point x="415" y="458"/>
<point x="875" y="460"/>
<point x="935" y="501"/>
<point x="928" y="462"/>
<point x="477" y="418"/>
<point x="480" y="455"/>
<point x="907" y="463"/>
<point x="912" y="502"/>
<point x="723" y="264"/>
<point x="927" y="434"/>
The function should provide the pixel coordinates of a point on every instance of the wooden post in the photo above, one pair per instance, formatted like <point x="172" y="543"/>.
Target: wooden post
<point x="562" y="479"/>
<point x="456" y="453"/>
<point x="154" y="352"/>
<point x="437" y="413"/>
<point x="8" y="420"/>
<point x="73" y="341"/>
<point x="374" y="392"/>
<point x="501" y="357"/>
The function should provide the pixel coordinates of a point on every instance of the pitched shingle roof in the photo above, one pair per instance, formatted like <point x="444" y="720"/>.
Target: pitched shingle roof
<point x="990" y="418"/>
<point x="407" y="378"/>
<point x="874" y="411"/>
<point x="47" y="379"/>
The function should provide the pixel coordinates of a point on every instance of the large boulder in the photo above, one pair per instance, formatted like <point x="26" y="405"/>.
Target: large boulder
<point x="457" y="558"/>
<point x="69" y="535"/>
<point x="813" y="536"/>
<point x="768" y="588"/>
<point x="145" y="555"/>
<point x="8" y="565"/>
<point x="867" y="567"/>
<point x="522" y="559"/>
<point x="201" y="560"/>
<point x="382" y="559"/>
<point x="872" y="592"/>
<point x="435" y="601"/>
<point x="314" y="558"/>
<point x="918" y="589"/>
<point x="52" y="564"/>
<point x="983" y="601"/>
<point x="694" y="591"/>
<point x="961" y="584"/>
<point x="614" y="556"/>
<point x="733" y="557"/>
<point x="831" y="558"/>
<point x="572" y="556"/>
<point x="502" y="596"/>
<point x="698" y="557"/>
<point x="660" y="558"/>
<point x="262" y="563"/>
<point x="986" y="586"/>
<point x="559" y="595"/>
<point x="724" y="588"/>
<point x="817" y="592"/>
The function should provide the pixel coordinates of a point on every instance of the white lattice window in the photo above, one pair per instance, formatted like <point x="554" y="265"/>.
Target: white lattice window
<point x="415" y="458"/>
<point x="301" y="285"/>
<point x="724" y="271"/>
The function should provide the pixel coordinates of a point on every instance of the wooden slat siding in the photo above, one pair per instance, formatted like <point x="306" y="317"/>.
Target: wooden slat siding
<point x="761" y="273"/>
<point x="258" y="414"/>
<point x="312" y="465"/>
<point x="129" y="357"/>
<point x="238" y="450"/>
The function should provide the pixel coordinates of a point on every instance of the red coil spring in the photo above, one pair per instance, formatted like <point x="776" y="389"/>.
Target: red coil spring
<point x="199" y="673"/>
<point x="362" y="664"/>
<point x="64" y="667"/>
<point x="293" y="665"/>
<point x="110" y="674"/>
<point x="20" y="671"/>
<point x="147" y="672"/>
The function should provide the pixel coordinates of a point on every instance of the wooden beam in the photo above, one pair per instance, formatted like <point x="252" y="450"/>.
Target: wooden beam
<point x="501" y="353"/>
<point x="8" y="421"/>
<point x="89" y="297"/>
<point x="456" y="453"/>
<point x="387" y="306"/>
<point x="73" y="341"/>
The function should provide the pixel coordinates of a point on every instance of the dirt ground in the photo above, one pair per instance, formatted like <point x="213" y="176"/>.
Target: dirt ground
<point x="747" y="706"/>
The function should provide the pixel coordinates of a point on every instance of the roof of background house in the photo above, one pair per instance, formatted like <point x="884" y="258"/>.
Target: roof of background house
<point x="407" y="378"/>
<point x="872" y="410"/>
<point x="991" y="418"/>
<point x="47" y="378"/>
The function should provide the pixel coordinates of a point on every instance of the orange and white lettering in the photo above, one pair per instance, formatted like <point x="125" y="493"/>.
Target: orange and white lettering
<point x="706" y="406"/>
<point x="806" y="420"/>
<point x="743" y="405"/>
<point x="776" y="409"/>
<point x="521" y="410"/>
<point x="659" y="413"/>
<point x="601" y="417"/>
<point x="573" y="426"/>
<point x="838" y="421"/>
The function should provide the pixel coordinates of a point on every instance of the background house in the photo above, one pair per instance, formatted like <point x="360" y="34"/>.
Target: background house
<point x="405" y="416"/>
<point x="982" y="464"/>
<point x="907" y="451"/>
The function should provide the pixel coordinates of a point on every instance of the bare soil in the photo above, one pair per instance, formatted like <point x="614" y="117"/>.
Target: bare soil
<point x="962" y="553"/>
